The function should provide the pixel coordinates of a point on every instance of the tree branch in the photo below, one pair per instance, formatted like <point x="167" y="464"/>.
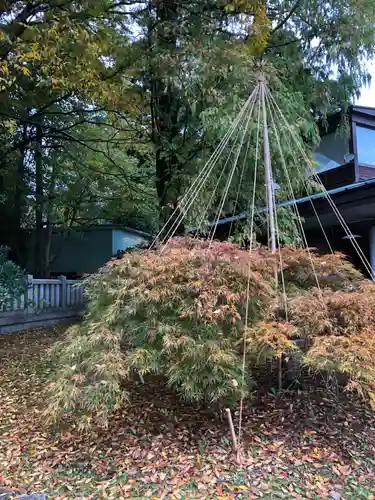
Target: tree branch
<point x="289" y="15"/>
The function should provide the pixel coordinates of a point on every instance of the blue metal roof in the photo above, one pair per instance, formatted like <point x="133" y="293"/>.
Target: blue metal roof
<point x="341" y="189"/>
<point x="298" y="201"/>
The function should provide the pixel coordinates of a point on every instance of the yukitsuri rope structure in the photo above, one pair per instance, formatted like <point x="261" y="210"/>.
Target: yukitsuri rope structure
<point x="262" y="109"/>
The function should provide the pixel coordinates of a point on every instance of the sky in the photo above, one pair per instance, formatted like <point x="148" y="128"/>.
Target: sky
<point x="368" y="93"/>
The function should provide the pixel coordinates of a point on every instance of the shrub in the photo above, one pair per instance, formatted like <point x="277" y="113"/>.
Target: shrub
<point x="12" y="280"/>
<point x="181" y="314"/>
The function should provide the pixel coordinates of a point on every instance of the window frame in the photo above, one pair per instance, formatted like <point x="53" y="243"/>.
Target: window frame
<point x="364" y="123"/>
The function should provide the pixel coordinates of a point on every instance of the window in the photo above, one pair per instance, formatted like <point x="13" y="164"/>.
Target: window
<point x="365" y="145"/>
<point x="330" y="152"/>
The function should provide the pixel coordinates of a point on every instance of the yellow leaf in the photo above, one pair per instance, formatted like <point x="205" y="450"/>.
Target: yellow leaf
<point x="5" y="68"/>
<point x="241" y="487"/>
<point x="196" y="284"/>
<point x="372" y="399"/>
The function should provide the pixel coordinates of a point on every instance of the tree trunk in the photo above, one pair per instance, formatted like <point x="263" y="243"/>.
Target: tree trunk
<point x="19" y="239"/>
<point x="165" y="102"/>
<point x="39" y="192"/>
<point x="49" y="224"/>
<point x="13" y="200"/>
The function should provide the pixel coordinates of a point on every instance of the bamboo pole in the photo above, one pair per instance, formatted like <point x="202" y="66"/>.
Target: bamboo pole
<point x="271" y="208"/>
<point x="268" y="176"/>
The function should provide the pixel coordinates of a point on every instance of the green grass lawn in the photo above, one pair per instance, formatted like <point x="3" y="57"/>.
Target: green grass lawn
<point x="304" y="445"/>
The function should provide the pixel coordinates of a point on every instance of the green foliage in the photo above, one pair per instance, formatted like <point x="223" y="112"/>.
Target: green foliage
<point x="12" y="280"/>
<point x="289" y="225"/>
<point x="61" y="160"/>
<point x="108" y="112"/>
<point x="181" y="314"/>
<point x="97" y="180"/>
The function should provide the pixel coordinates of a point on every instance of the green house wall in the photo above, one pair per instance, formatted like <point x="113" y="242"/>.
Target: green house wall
<point x="87" y="251"/>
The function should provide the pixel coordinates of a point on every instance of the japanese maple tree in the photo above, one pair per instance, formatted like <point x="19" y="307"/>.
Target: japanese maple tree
<point x="181" y="313"/>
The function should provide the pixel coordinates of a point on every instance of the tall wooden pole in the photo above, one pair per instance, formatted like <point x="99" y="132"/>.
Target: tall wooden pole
<point x="270" y="195"/>
<point x="268" y="173"/>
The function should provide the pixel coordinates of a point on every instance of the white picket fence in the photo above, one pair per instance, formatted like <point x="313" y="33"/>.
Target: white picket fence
<point x="44" y="302"/>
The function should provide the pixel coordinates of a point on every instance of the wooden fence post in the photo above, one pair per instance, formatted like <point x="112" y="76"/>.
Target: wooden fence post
<point x="63" y="290"/>
<point x="29" y="294"/>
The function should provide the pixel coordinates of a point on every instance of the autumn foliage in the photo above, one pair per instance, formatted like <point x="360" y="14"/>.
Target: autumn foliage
<point x="181" y="313"/>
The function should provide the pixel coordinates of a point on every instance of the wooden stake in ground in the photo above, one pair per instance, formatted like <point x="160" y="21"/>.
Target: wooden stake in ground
<point x="231" y="427"/>
<point x="141" y="377"/>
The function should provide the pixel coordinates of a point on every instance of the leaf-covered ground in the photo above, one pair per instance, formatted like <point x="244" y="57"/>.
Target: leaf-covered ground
<point x="296" y="446"/>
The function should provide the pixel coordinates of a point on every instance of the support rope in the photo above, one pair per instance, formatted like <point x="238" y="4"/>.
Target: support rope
<point x="211" y="162"/>
<point x="209" y="204"/>
<point x="289" y="183"/>
<point x="333" y="206"/>
<point x="301" y="178"/>
<point x="229" y="181"/>
<point x="186" y="205"/>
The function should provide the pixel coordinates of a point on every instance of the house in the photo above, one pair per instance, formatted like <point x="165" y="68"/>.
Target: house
<point x="346" y="167"/>
<point x="86" y="249"/>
